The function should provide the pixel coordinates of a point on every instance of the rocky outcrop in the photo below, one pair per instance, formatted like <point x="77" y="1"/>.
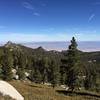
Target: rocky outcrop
<point x="7" y="89"/>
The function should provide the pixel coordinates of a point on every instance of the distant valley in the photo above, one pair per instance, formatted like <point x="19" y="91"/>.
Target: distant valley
<point x="87" y="46"/>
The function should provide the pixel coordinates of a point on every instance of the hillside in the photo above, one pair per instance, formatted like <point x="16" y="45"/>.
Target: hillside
<point x="41" y="66"/>
<point x="39" y="53"/>
<point x="32" y="91"/>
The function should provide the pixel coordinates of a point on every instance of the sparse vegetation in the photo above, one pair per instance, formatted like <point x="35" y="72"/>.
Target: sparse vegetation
<point x="33" y="91"/>
<point x="77" y="70"/>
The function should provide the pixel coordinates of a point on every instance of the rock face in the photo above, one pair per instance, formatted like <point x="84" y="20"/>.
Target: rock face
<point x="7" y="89"/>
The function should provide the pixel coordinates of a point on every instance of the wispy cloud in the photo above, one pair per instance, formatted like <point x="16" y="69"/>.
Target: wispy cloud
<point x="27" y="5"/>
<point x="36" y="14"/>
<point x="96" y="3"/>
<point x="91" y="17"/>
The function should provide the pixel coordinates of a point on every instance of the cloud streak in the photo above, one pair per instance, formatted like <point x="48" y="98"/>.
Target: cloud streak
<point x="96" y="3"/>
<point x="27" y="6"/>
<point x="36" y="14"/>
<point x="91" y="17"/>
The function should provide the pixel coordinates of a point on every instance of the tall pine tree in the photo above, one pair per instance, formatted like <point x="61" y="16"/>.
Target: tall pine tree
<point x="21" y="66"/>
<point x="55" y="75"/>
<point x="69" y="65"/>
<point x="72" y="61"/>
<point x="7" y="64"/>
<point x="44" y="69"/>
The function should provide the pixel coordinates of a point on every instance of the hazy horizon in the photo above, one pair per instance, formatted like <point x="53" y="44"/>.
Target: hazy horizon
<point x="87" y="46"/>
<point x="59" y="46"/>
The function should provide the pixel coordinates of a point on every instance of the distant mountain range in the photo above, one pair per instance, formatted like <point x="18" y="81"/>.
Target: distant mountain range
<point x="87" y="46"/>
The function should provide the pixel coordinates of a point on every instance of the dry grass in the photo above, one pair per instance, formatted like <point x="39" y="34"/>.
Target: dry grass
<point x="5" y="97"/>
<point x="32" y="91"/>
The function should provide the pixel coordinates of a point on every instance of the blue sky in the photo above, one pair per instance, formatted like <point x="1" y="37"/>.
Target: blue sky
<point x="49" y="20"/>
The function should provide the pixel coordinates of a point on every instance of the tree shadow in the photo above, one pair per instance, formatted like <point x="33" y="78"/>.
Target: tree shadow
<point x="31" y="85"/>
<point x="70" y="93"/>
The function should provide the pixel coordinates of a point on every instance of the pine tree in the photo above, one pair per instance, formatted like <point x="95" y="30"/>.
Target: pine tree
<point x="55" y="73"/>
<point x="72" y="60"/>
<point x="7" y="64"/>
<point x="37" y="76"/>
<point x="21" y="66"/>
<point x="31" y="77"/>
<point x="70" y="63"/>
<point x="45" y="66"/>
<point x="91" y="75"/>
<point x="63" y="72"/>
<point x="33" y="68"/>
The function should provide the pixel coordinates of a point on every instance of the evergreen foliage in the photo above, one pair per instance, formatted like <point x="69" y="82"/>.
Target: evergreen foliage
<point x="71" y="67"/>
<point x="70" y="63"/>
<point x="7" y="64"/>
<point x="55" y="73"/>
<point x="21" y="66"/>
